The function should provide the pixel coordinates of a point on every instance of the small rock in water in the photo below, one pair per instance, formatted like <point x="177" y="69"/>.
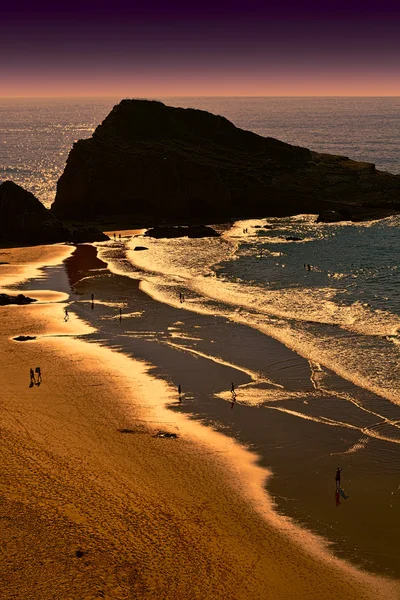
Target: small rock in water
<point x="20" y="299"/>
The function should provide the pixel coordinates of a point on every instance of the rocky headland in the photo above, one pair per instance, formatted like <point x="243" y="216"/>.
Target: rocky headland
<point x="153" y="163"/>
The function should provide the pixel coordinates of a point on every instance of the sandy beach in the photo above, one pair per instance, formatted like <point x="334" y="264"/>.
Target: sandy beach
<point x="95" y="505"/>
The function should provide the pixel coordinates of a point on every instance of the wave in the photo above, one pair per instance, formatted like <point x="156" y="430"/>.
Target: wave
<point x="324" y="324"/>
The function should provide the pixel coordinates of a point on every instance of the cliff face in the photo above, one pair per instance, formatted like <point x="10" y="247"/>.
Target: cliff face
<point x="152" y="161"/>
<point x="24" y="220"/>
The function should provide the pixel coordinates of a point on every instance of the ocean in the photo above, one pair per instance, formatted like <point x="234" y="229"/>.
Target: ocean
<point x="332" y="297"/>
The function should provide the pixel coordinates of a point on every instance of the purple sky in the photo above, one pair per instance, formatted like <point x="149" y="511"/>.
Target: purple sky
<point x="213" y="48"/>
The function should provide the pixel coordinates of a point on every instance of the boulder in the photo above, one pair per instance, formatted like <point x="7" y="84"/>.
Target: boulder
<point x="334" y="216"/>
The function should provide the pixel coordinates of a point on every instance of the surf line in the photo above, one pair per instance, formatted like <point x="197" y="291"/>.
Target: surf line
<point x="349" y="398"/>
<point x="252" y="374"/>
<point x="325" y="421"/>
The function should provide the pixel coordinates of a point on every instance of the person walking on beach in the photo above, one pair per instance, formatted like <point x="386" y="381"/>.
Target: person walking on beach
<point x="66" y="315"/>
<point x="337" y="477"/>
<point x="92" y="298"/>
<point x="39" y="375"/>
<point x="32" y="378"/>
<point x="233" y="394"/>
<point x="180" y="393"/>
<point x="120" y="314"/>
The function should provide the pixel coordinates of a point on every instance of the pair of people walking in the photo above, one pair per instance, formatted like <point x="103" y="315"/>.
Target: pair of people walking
<point x="35" y="376"/>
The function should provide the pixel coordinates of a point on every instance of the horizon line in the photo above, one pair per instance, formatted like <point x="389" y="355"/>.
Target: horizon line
<point x="50" y="97"/>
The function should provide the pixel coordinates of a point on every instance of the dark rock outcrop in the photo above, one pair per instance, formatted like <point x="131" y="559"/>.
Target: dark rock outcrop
<point x="138" y="248"/>
<point x="24" y="338"/>
<point x="152" y="162"/>
<point x="80" y="235"/>
<point x="333" y="216"/>
<point x="191" y="231"/>
<point x="6" y="299"/>
<point x="24" y="219"/>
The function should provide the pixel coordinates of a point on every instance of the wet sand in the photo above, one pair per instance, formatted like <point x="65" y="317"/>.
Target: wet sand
<point x="300" y="419"/>
<point x="94" y="505"/>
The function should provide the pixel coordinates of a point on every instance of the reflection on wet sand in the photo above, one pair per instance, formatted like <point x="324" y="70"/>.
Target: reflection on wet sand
<point x="302" y="421"/>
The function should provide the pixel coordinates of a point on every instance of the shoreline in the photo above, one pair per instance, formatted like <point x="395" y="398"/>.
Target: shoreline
<point x="300" y="451"/>
<point x="74" y="433"/>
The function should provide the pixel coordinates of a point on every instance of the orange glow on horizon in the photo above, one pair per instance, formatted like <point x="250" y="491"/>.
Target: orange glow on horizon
<point x="309" y="86"/>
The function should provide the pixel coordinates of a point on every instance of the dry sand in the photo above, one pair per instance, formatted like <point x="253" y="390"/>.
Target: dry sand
<point x="81" y="471"/>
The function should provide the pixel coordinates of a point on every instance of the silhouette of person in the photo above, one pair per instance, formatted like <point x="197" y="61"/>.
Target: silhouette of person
<point x="66" y="315"/>
<point x="308" y="267"/>
<point x="233" y="394"/>
<point x="115" y="237"/>
<point x="32" y="377"/>
<point x="180" y="393"/>
<point x="92" y="298"/>
<point x="119" y="237"/>
<point x="39" y="375"/>
<point x="120" y="314"/>
<point x="337" y="477"/>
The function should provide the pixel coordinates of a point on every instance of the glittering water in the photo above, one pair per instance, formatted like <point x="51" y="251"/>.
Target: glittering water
<point x="36" y="135"/>
<point x="343" y="313"/>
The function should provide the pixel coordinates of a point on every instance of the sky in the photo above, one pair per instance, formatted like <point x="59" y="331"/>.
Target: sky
<point x="213" y="48"/>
